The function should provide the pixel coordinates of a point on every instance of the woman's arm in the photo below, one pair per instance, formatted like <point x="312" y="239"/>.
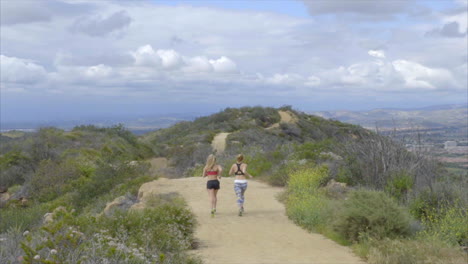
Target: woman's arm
<point x="245" y="172"/>
<point x="220" y="169"/>
<point x="204" y="172"/>
<point x="231" y="171"/>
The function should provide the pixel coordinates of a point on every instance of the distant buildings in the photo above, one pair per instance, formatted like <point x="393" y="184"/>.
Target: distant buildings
<point x="420" y="147"/>
<point x="450" y="144"/>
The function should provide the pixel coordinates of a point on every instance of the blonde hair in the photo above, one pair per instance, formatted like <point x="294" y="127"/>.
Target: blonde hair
<point x="240" y="158"/>
<point x="210" y="162"/>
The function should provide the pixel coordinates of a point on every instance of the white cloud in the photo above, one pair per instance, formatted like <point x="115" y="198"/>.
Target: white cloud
<point x="286" y="79"/>
<point x="224" y="65"/>
<point x="170" y="59"/>
<point x="146" y="56"/>
<point x="198" y="64"/>
<point x="420" y="76"/>
<point x="98" y="71"/>
<point x="195" y="46"/>
<point x="16" y="70"/>
<point x="377" y="53"/>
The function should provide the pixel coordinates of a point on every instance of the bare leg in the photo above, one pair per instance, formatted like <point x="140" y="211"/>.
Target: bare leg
<point x="215" y="199"/>
<point x="210" y="196"/>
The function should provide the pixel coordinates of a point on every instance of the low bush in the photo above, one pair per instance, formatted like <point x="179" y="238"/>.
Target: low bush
<point x="279" y="177"/>
<point x="372" y="213"/>
<point x="312" y="150"/>
<point x="22" y="218"/>
<point x="305" y="204"/>
<point x="448" y="223"/>
<point x="258" y="164"/>
<point x="399" y="184"/>
<point x="306" y="181"/>
<point x="51" y="179"/>
<point x="105" y="178"/>
<point x="10" y="242"/>
<point x="403" y="251"/>
<point x="161" y="234"/>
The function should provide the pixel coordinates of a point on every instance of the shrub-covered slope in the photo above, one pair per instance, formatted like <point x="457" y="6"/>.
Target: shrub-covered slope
<point x="58" y="184"/>
<point x="355" y="155"/>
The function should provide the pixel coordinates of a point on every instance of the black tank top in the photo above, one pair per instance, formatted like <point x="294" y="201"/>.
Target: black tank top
<point x="239" y="171"/>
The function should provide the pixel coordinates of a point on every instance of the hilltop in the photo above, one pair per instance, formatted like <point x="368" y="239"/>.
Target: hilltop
<point x="275" y="139"/>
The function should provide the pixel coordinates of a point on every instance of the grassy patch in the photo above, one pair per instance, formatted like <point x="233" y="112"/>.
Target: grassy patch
<point x="21" y="218"/>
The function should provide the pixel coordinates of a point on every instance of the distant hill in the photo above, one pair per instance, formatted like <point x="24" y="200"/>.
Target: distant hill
<point x="138" y="125"/>
<point x="423" y="118"/>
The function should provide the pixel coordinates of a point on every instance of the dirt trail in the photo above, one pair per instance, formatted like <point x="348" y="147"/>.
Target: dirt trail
<point x="264" y="235"/>
<point x="286" y="117"/>
<point x="219" y="142"/>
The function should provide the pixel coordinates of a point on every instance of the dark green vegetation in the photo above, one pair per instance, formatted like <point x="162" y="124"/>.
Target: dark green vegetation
<point x="391" y="205"/>
<point x="355" y="155"/>
<point x="381" y="228"/>
<point x="405" y="201"/>
<point x="82" y="170"/>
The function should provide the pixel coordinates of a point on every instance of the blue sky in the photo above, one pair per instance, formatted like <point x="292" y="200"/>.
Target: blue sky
<point x="64" y="59"/>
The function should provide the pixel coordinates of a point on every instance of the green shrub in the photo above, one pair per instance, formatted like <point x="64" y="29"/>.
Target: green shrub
<point x="195" y="171"/>
<point x="279" y="177"/>
<point x="372" y="213"/>
<point x="106" y="176"/>
<point x="442" y="195"/>
<point x="51" y="179"/>
<point x="10" y="246"/>
<point x="21" y="217"/>
<point x="310" y="212"/>
<point x="344" y="175"/>
<point x="305" y="204"/>
<point x="422" y="205"/>
<point x="258" y="164"/>
<point x="398" y="251"/>
<point x="14" y="166"/>
<point x="312" y="150"/>
<point x="161" y="234"/>
<point x="306" y="181"/>
<point x="448" y="223"/>
<point x="399" y="184"/>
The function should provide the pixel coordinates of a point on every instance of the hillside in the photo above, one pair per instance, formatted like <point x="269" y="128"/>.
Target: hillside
<point x="78" y="191"/>
<point x="355" y="155"/>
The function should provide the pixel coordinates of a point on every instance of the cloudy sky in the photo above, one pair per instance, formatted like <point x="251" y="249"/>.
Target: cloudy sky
<point x="86" y="58"/>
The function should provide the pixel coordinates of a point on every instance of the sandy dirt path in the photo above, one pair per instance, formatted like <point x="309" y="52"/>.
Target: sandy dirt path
<point x="286" y="117"/>
<point x="219" y="142"/>
<point x="264" y="235"/>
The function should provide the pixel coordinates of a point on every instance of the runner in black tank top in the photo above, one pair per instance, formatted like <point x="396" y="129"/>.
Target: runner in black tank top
<point x="239" y="169"/>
